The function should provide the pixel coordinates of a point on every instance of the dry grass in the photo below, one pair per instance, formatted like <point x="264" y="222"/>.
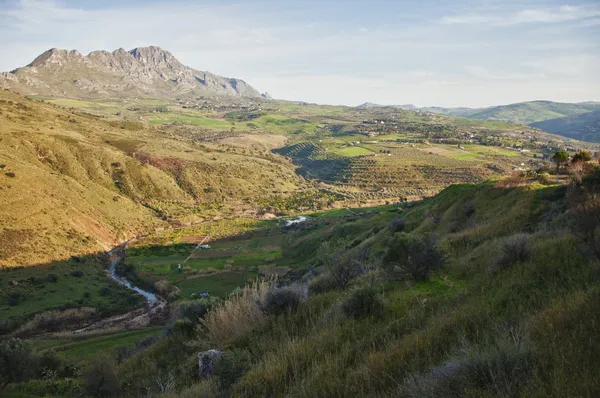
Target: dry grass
<point x="55" y="320"/>
<point x="237" y="316"/>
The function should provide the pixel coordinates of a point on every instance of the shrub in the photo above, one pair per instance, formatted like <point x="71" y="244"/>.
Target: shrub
<point x="104" y="291"/>
<point x="100" y="376"/>
<point x="183" y="329"/>
<point x="197" y="309"/>
<point x="77" y="274"/>
<point x="514" y="249"/>
<point x="362" y="303"/>
<point x="501" y="370"/>
<point x="16" y="362"/>
<point x="14" y="299"/>
<point x="468" y="208"/>
<point x="342" y="263"/>
<point x="230" y="367"/>
<point x="10" y="174"/>
<point x="281" y="300"/>
<point x="322" y="283"/>
<point x="417" y="255"/>
<point x="397" y="225"/>
<point x="162" y="287"/>
<point x="52" y="278"/>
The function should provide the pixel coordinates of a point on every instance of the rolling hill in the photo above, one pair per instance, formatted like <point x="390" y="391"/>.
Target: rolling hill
<point x="72" y="183"/>
<point x="572" y="120"/>
<point x="584" y="126"/>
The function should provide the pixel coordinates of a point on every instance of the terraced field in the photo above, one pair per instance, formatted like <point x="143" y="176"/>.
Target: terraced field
<point x="380" y="170"/>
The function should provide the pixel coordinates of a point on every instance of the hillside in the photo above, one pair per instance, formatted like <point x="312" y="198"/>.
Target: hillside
<point x="528" y="112"/>
<point x="509" y="310"/>
<point x="572" y="120"/>
<point x="583" y="127"/>
<point x="146" y="72"/>
<point x="73" y="183"/>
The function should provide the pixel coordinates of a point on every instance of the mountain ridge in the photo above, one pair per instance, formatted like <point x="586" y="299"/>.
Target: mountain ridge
<point x="572" y="120"/>
<point x="141" y="72"/>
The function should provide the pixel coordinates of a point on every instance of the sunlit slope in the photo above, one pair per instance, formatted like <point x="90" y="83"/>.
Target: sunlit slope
<point x="73" y="183"/>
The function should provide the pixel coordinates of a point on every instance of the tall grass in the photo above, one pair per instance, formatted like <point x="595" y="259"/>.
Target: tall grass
<point x="236" y="316"/>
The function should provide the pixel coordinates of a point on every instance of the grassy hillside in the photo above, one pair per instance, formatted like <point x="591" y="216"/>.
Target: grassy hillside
<point x="529" y="112"/>
<point x="511" y="311"/>
<point x="73" y="183"/>
<point x="583" y="127"/>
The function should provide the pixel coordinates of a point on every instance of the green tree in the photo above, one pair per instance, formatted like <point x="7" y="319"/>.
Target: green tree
<point x="581" y="156"/>
<point x="414" y="254"/>
<point x="100" y="376"/>
<point x="17" y="362"/>
<point x="342" y="263"/>
<point x="559" y="158"/>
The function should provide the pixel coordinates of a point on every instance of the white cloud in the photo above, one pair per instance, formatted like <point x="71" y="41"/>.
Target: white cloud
<point x="332" y="60"/>
<point x="547" y="15"/>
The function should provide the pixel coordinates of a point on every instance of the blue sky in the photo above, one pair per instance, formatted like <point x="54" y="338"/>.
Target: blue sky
<point x="445" y="53"/>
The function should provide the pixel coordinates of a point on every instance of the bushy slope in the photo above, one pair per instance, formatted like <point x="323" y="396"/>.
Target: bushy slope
<point x="72" y="183"/>
<point x="487" y="323"/>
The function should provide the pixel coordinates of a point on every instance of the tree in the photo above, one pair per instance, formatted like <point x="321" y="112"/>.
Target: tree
<point x="342" y="263"/>
<point x="581" y="156"/>
<point x="416" y="255"/>
<point x="17" y="362"/>
<point x="100" y="376"/>
<point x="559" y="158"/>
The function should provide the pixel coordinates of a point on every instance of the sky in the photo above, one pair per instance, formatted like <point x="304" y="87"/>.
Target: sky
<point x="429" y="53"/>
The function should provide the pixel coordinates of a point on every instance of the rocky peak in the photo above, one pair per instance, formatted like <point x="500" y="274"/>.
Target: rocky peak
<point x="145" y="71"/>
<point x="155" y="57"/>
<point x="56" y="56"/>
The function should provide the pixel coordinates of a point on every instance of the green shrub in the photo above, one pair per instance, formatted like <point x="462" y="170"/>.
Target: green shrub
<point x="341" y="261"/>
<point x="100" y="376"/>
<point x="77" y="274"/>
<point x="17" y="362"/>
<point x="196" y="309"/>
<point x="322" y="284"/>
<point x="183" y="329"/>
<point x="362" y="303"/>
<point x="397" y="225"/>
<point x="501" y="370"/>
<point x="514" y="249"/>
<point x="468" y="208"/>
<point x="281" y="300"/>
<point x="229" y="368"/>
<point x="417" y="255"/>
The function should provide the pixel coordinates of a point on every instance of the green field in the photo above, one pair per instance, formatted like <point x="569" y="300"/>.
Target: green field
<point x="229" y="263"/>
<point x="67" y="284"/>
<point x="78" y="349"/>
<point x="352" y="151"/>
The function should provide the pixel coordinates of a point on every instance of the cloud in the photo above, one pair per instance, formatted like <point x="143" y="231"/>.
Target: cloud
<point x="326" y="55"/>
<point x="547" y="15"/>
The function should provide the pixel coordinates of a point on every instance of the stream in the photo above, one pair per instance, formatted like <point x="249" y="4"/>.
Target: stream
<point x="150" y="297"/>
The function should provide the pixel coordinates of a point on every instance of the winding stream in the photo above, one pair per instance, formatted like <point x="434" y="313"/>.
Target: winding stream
<point x="150" y="297"/>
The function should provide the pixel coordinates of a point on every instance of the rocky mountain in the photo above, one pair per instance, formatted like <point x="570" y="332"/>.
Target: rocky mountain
<point x="147" y="72"/>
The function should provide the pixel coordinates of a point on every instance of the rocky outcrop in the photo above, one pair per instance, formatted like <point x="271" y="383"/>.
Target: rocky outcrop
<point x="142" y="72"/>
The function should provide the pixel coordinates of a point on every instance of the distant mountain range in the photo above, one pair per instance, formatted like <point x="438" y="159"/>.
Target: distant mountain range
<point x="146" y="72"/>
<point x="579" y="121"/>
